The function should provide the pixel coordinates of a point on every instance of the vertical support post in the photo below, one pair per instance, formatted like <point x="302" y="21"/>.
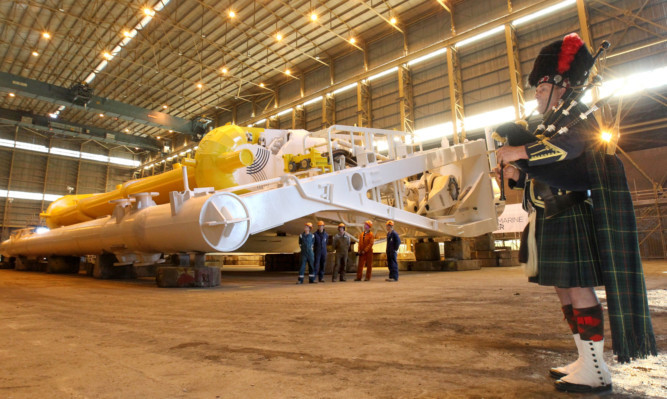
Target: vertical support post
<point x="302" y="85"/>
<point x="328" y="110"/>
<point x="587" y="37"/>
<point x="46" y="174"/>
<point x="405" y="97"/>
<point x="331" y="72"/>
<point x="254" y="109"/>
<point x="234" y="113"/>
<point x="5" y="214"/>
<point x="78" y="172"/>
<point x="455" y="94"/>
<point x="299" y="117"/>
<point x="515" y="70"/>
<point x="272" y="122"/>
<point x="364" y="118"/>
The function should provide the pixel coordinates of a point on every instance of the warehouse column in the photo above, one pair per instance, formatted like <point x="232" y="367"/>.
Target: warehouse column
<point x="455" y="94"/>
<point x="515" y="71"/>
<point x="364" y="117"/>
<point x="405" y="97"/>
<point x="5" y="215"/>
<point x="328" y="110"/>
<point x="299" y="117"/>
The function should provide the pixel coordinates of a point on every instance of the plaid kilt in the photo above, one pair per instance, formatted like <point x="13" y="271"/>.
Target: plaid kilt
<point x="567" y="253"/>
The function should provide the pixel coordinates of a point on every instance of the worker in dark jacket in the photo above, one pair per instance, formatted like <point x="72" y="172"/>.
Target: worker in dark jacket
<point x="306" y="241"/>
<point x="393" y="242"/>
<point x="341" y="244"/>
<point x="321" y="238"/>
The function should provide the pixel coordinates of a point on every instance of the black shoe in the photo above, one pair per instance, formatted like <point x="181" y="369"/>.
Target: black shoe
<point x="357" y="279"/>
<point x="565" y="386"/>
<point x="556" y="374"/>
<point x="342" y="279"/>
<point x="321" y="280"/>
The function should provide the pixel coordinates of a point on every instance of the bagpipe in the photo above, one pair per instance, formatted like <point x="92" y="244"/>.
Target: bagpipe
<point x="557" y="120"/>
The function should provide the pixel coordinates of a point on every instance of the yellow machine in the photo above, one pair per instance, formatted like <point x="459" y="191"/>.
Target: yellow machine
<point x="314" y="159"/>
<point x="215" y="161"/>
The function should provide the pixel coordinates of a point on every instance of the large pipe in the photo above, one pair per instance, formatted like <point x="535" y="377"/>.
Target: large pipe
<point x="204" y="223"/>
<point x="214" y="165"/>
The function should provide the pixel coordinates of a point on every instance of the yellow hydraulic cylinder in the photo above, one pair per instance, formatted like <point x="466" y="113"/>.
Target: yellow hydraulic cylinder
<point x="215" y="161"/>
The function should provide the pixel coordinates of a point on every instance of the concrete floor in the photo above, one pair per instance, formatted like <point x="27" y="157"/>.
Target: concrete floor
<point x="473" y="334"/>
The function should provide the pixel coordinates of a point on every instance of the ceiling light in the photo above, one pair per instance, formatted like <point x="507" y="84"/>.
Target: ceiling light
<point x="165" y="106"/>
<point x="287" y="71"/>
<point x="313" y="17"/>
<point x="353" y="40"/>
<point x="107" y="55"/>
<point x="158" y="137"/>
<point x="46" y="35"/>
<point x="225" y="70"/>
<point x="127" y="33"/>
<point x="126" y="130"/>
<point x="14" y="95"/>
<point x="35" y="53"/>
<point x="279" y="36"/>
<point x="232" y="14"/>
<point x="149" y="11"/>
<point x="606" y="136"/>
<point x="101" y="115"/>
<point x="171" y="131"/>
<point x="53" y="115"/>
<point x="261" y="84"/>
<point x="393" y="20"/>
<point x="199" y="85"/>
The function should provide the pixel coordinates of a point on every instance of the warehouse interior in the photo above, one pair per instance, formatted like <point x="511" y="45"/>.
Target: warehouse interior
<point x="96" y="94"/>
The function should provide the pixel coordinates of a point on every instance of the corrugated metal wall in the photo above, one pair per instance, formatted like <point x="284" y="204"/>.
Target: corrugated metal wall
<point x="44" y="173"/>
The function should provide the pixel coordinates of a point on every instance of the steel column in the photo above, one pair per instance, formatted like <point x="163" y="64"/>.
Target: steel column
<point x="515" y="70"/>
<point x="328" y="110"/>
<point x="405" y="96"/>
<point x="5" y="214"/>
<point x="455" y="94"/>
<point x="299" y="117"/>
<point x="364" y="117"/>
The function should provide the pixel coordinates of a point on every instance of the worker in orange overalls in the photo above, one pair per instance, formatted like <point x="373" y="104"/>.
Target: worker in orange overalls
<point x="366" y="241"/>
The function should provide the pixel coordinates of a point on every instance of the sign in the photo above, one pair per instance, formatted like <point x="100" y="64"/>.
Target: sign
<point x="512" y="220"/>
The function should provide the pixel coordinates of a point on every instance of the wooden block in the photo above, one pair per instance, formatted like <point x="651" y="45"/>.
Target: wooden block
<point x="485" y="242"/>
<point x="506" y="262"/>
<point x="182" y="277"/>
<point x="482" y="255"/>
<point x="488" y="262"/>
<point x="458" y="249"/>
<point x="427" y="251"/>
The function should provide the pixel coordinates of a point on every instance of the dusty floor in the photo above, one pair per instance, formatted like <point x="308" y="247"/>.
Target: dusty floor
<point x="474" y="334"/>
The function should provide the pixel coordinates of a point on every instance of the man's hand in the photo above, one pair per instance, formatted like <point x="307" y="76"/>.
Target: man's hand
<point x="507" y="154"/>
<point x="510" y="172"/>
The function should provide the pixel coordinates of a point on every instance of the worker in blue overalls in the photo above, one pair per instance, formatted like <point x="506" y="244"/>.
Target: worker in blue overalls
<point x="306" y="241"/>
<point x="393" y="242"/>
<point x="321" y="237"/>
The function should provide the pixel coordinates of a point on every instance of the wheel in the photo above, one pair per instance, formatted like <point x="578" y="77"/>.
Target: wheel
<point x="291" y="167"/>
<point x="305" y="164"/>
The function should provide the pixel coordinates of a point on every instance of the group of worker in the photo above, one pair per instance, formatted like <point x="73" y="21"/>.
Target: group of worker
<point x="314" y="252"/>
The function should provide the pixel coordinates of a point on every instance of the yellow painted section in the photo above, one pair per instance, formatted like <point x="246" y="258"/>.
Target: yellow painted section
<point x="215" y="162"/>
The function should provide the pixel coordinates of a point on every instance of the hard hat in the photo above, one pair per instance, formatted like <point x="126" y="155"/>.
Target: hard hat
<point x="369" y="223"/>
<point x="341" y="225"/>
<point x="320" y="223"/>
<point x="309" y="225"/>
<point x="390" y="222"/>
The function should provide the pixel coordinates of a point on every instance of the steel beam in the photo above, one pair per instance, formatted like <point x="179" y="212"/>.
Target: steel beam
<point x="364" y="118"/>
<point x="299" y="117"/>
<point x="42" y="123"/>
<point x="328" y="110"/>
<point x="405" y="97"/>
<point x="62" y="96"/>
<point x="515" y="71"/>
<point x="456" y="94"/>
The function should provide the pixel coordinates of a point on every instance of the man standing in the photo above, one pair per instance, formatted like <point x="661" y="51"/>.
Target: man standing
<point x="393" y="242"/>
<point x="306" y="240"/>
<point x="580" y="241"/>
<point x="341" y="244"/>
<point x="321" y="238"/>
<point x="366" y="241"/>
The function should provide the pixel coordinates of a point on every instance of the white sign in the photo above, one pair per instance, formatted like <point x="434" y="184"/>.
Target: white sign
<point x="512" y="220"/>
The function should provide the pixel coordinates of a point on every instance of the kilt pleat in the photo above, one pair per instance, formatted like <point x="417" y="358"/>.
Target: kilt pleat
<point x="567" y="249"/>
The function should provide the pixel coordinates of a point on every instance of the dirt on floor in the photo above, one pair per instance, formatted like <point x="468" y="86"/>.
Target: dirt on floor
<point x="473" y="334"/>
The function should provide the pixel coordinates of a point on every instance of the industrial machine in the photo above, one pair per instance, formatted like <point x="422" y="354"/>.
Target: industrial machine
<point x="237" y="195"/>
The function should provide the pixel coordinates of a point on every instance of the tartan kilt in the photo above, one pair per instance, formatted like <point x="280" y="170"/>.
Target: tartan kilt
<point x="567" y="253"/>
